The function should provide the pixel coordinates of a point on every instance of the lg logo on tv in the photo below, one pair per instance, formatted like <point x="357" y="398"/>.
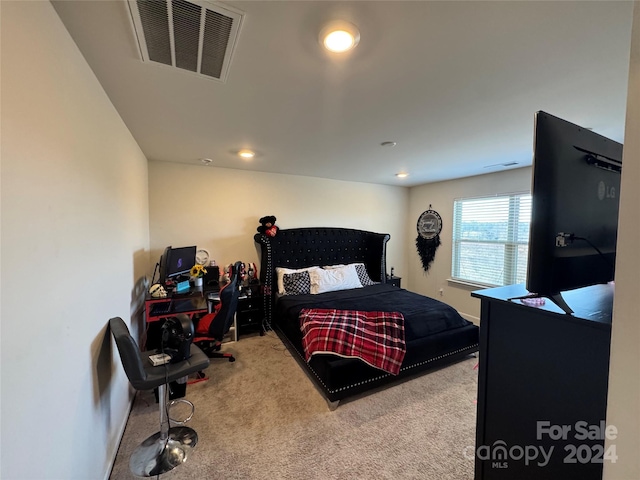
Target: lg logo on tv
<point x="605" y="192"/>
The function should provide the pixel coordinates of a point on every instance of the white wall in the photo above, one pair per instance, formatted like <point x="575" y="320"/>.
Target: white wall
<point x="440" y="196"/>
<point x="74" y="241"/>
<point x="218" y="209"/>
<point x="624" y="379"/>
<point x="75" y="236"/>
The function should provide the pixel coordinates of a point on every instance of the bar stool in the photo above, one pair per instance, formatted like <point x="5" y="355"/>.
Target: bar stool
<point x="169" y="447"/>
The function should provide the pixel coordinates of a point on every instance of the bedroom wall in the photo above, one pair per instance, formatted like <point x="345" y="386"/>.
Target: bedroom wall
<point x="624" y="379"/>
<point x="75" y="239"/>
<point x="440" y="196"/>
<point x="219" y="209"/>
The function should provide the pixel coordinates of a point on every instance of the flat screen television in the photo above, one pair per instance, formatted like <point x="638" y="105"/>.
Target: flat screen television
<point x="574" y="215"/>
<point x="176" y="261"/>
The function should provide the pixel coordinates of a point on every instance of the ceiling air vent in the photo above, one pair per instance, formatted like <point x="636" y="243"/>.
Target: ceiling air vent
<point x="197" y="36"/>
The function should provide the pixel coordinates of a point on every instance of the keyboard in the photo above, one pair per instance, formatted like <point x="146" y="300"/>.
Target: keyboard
<point x="161" y="308"/>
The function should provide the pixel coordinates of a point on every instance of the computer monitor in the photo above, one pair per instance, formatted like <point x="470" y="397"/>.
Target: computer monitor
<point x="176" y="261"/>
<point x="574" y="216"/>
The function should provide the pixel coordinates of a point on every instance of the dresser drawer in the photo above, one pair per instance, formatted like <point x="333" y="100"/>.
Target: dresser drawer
<point x="249" y="304"/>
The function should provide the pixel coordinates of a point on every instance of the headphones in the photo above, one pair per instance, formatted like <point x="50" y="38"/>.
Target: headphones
<point x="170" y="329"/>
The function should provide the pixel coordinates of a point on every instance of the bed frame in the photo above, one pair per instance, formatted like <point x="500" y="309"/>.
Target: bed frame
<point x="336" y="377"/>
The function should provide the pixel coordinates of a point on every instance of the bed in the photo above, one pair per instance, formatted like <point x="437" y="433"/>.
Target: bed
<point x="433" y="333"/>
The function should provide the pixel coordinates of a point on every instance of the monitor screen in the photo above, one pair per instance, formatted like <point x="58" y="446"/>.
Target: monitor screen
<point x="176" y="261"/>
<point x="574" y="215"/>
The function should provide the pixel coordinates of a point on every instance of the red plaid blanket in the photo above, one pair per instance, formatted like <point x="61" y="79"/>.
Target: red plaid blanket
<point x="375" y="337"/>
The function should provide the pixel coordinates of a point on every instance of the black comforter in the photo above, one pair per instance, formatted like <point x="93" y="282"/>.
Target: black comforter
<point x="423" y="316"/>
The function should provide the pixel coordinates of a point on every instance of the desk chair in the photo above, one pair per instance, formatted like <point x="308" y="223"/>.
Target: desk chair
<point x="169" y="447"/>
<point x="211" y="328"/>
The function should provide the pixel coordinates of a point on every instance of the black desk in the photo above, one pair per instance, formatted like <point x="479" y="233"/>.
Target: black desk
<point x="542" y="365"/>
<point x="190" y="302"/>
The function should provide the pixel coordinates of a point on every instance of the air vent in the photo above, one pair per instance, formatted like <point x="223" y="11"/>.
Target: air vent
<point x="196" y="36"/>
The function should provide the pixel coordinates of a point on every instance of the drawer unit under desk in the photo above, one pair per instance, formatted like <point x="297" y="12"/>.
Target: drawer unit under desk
<point x="250" y="313"/>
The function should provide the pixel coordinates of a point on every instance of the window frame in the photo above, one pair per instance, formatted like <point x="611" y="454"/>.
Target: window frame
<point x="511" y="244"/>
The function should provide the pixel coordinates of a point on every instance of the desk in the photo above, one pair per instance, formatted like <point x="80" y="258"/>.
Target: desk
<point x="189" y="303"/>
<point x="197" y="301"/>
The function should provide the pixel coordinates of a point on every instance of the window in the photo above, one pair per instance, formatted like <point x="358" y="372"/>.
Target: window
<point x="491" y="239"/>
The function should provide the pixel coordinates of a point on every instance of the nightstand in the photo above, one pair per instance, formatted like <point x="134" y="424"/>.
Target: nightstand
<point x="250" y="312"/>
<point x="395" y="281"/>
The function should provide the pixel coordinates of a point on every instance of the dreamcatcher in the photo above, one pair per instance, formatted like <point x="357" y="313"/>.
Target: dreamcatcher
<point x="429" y="227"/>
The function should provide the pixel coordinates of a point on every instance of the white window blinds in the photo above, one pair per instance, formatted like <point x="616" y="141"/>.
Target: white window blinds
<point x="491" y="239"/>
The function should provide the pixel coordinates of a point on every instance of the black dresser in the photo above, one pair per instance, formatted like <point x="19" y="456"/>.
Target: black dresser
<point x="542" y="386"/>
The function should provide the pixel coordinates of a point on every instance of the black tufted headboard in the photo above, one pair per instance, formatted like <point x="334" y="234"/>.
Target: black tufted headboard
<point x="306" y="247"/>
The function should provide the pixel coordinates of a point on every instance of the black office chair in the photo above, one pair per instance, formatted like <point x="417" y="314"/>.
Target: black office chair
<point x="212" y="327"/>
<point x="169" y="447"/>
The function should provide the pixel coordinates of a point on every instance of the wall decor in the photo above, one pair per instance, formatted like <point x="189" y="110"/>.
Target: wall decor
<point x="429" y="227"/>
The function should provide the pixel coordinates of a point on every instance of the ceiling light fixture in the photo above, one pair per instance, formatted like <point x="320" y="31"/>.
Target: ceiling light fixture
<point x="339" y="36"/>
<point x="402" y="175"/>
<point x="206" y="161"/>
<point x="388" y="144"/>
<point x="246" y="154"/>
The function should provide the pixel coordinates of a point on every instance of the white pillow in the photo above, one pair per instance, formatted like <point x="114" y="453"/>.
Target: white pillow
<point x="361" y="270"/>
<point x="334" y="278"/>
<point x="280" y="272"/>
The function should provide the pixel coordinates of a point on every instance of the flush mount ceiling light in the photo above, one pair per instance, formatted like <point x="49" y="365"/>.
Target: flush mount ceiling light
<point x="339" y="36"/>
<point x="388" y="144"/>
<point x="402" y="175"/>
<point x="206" y="161"/>
<point x="246" y="154"/>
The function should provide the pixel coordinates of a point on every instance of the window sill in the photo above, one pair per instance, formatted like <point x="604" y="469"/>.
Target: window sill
<point x="468" y="284"/>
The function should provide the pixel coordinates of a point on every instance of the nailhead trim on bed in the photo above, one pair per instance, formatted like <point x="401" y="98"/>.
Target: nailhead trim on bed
<point x="471" y="348"/>
<point x="266" y="274"/>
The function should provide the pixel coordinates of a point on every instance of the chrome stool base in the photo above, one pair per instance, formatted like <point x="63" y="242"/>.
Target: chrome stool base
<point x="156" y="455"/>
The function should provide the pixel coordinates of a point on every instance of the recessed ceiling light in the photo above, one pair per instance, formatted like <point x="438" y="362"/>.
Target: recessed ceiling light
<point x="339" y="36"/>
<point x="402" y="175"/>
<point x="246" y="154"/>
<point x="206" y="161"/>
<point x="388" y="144"/>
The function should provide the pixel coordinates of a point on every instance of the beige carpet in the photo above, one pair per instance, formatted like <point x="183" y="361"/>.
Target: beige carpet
<point x="261" y="418"/>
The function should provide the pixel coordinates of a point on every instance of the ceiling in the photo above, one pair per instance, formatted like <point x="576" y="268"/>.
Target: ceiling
<point x="455" y="84"/>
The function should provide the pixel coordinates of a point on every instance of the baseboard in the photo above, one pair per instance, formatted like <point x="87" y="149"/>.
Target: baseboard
<point x="122" y="428"/>
<point x="471" y="318"/>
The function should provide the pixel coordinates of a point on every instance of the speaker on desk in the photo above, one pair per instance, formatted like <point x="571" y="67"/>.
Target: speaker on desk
<point x="211" y="278"/>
